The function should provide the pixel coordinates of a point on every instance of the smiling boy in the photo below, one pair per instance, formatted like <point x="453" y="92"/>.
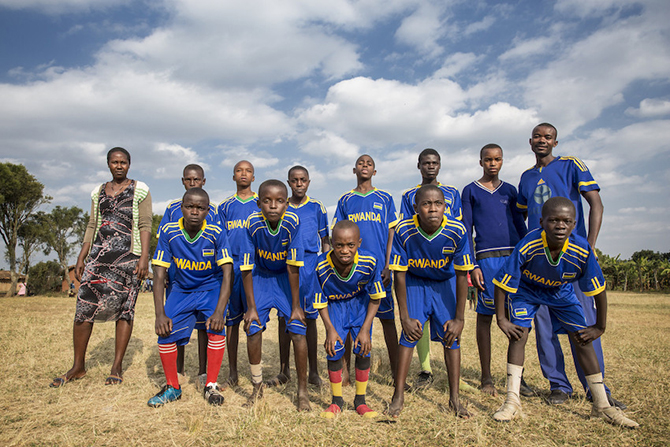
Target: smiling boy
<point x="541" y="271"/>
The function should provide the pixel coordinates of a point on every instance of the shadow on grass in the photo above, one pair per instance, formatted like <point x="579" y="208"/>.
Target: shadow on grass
<point x="103" y="352"/>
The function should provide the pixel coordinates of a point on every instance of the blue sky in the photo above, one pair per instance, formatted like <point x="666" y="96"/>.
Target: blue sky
<point x="321" y="82"/>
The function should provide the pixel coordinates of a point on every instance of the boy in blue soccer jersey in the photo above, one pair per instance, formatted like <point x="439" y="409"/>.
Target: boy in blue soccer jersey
<point x="374" y="212"/>
<point x="200" y="291"/>
<point x="430" y="259"/>
<point x="429" y="165"/>
<point x="350" y="288"/>
<point x="489" y="207"/>
<point x="233" y="213"/>
<point x="272" y="254"/>
<point x="559" y="176"/>
<point x="193" y="177"/>
<point x="314" y="229"/>
<point x="541" y="271"/>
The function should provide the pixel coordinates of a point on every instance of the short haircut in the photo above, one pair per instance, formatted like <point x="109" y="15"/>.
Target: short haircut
<point x="367" y="155"/>
<point x="194" y="167"/>
<point x="118" y="149"/>
<point x="555" y="203"/>
<point x="548" y="125"/>
<point x="341" y="225"/>
<point x="488" y="146"/>
<point x="297" y="168"/>
<point x="244" y="161"/>
<point x="195" y="192"/>
<point x="269" y="183"/>
<point x="426" y="189"/>
<point x="429" y="151"/>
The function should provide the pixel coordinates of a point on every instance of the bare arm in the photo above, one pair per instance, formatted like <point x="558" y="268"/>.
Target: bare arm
<point x="453" y="328"/>
<point x="251" y="314"/>
<point x="412" y="328"/>
<point x="163" y="325"/>
<point x="386" y="272"/>
<point x="332" y="337"/>
<point x="142" y="268"/>
<point x="217" y="321"/>
<point x="591" y="333"/>
<point x="294" y="281"/>
<point x="325" y="244"/>
<point x="596" y="209"/>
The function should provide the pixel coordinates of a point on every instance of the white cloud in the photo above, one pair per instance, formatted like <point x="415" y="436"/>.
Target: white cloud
<point x="650" y="107"/>
<point x="423" y="28"/>
<point x="456" y="63"/>
<point x="259" y="159"/>
<point x="179" y="157"/>
<point x="526" y="48"/>
<point x="589" y="76"/>
<point x="583" y="8"/>
<point x="482" y="25"/>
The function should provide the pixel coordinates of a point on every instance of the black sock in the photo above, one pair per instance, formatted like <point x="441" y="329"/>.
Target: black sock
<point x="359" y="400"/>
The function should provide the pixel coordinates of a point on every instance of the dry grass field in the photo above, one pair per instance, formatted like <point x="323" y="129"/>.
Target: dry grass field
<point x="37" y="345"/>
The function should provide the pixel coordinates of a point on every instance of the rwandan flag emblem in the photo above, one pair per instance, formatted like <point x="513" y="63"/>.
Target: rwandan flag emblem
<point x="448" y="250"/>
<point x="207" y="253"/>
<point x="569" y="275"/>
<point x="521" y="312"/>
<point x="378" y="206"/>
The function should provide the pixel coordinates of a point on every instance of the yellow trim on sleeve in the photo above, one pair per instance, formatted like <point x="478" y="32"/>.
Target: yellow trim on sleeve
<point x="294" y="263"/>
<point x="601" y="288"/>
<point x="580" y="184"/>
<point x="160" y="263"/>
<point x="398" y="268"/>
<point x="378" y="296"/>
<point x="521" y="207"/>
<point x="246" y="267"/>
<point x="224" y="261"/>
<point x="504" y="287"/>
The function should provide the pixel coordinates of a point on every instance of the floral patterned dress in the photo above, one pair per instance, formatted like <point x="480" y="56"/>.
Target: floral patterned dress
<point x="109" y="288"/>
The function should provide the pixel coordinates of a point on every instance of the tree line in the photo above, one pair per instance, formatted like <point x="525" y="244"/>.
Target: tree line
<point x="23" y="226"/>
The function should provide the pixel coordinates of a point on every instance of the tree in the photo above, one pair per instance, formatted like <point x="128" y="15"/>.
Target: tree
<point x="20" y="195"/>
<point x="45" y="277"/>
<point x="64" y="227"/>
<point x="31" y="238"/>
<point x="155" y="222"/>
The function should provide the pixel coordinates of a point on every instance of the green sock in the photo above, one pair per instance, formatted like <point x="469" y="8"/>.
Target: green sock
<point x="423" y="350"/>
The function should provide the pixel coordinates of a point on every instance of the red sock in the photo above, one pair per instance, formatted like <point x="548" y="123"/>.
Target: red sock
<point x="216" y="346"/>
<point x="168" y="354"/>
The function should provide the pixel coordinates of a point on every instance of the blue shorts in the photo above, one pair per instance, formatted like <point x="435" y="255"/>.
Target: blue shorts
<point x="563" y="305"/>
<point x="237" y="304"/>
<point x="348" y="316"/>
<point x="309" y="285"/>
<point x="428" y="299"/>
<point x="273" y="291"/>
<point x="185" y="309"/>
<point x="386" y="305"/>
<point x="489" y="268"/>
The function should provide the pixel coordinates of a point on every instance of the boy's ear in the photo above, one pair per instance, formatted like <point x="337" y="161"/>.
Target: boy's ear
<point x="415" y="208"/>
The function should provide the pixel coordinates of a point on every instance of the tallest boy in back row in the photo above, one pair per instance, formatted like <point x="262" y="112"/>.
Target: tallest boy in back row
<point x="559" y="176"/>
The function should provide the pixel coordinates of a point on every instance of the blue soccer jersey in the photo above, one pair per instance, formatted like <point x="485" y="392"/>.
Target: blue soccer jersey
<point x="531" y="267"/>
<point x="272" y="250"/>
<point x="313" y="223"/>
<point x="431" y="255"/>
<point x="364" y="279"/>
<point x="451" y="198"/>
<point x="198" y="260"/>
<point x="497" y="222"/>
<point x="233" y="213"/>
<point x="374" y="213"/>
<point x="173" y="214"/>
<point x="563" y="177"/>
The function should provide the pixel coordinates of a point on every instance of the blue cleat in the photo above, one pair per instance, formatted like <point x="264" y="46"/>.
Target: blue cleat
<point x="165" y="395"/>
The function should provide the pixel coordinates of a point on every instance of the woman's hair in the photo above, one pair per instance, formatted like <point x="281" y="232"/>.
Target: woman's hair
<point x="118" y="149"/>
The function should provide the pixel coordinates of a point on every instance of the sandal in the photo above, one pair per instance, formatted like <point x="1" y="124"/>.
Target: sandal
<point x="113" y="379"/>
<point x="62" y="380"/>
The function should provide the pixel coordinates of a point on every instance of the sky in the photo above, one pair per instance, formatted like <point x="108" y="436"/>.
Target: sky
<point x="319" y="83"/>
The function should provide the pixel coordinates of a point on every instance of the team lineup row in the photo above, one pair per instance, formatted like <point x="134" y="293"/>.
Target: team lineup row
<point x="218" y="267"/>
<point x="497" y="228"/>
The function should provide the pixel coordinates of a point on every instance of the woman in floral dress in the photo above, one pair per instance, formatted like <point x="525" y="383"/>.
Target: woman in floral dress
<point x="112" y="264"/>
